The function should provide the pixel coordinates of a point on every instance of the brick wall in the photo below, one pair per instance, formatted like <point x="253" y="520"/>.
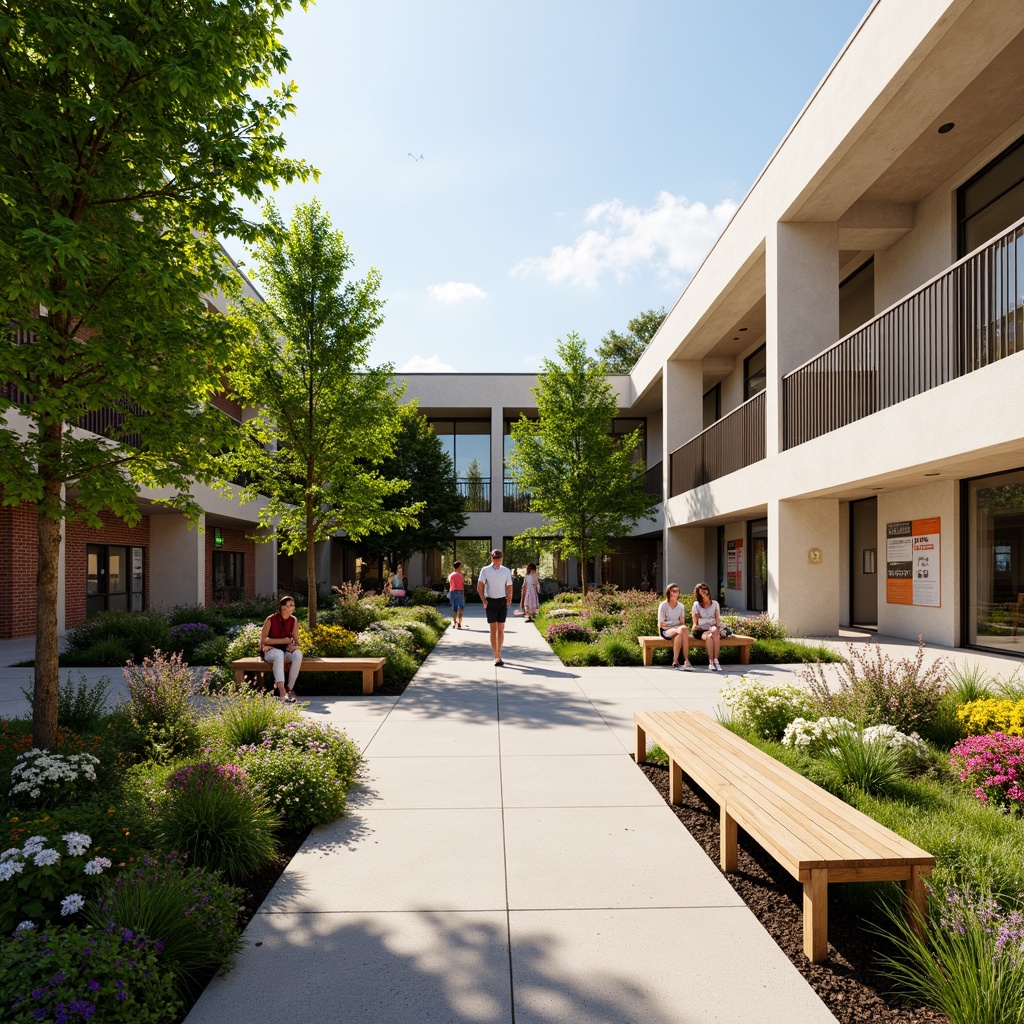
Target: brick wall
<point x="18" y="541"/>
<point x="77" y="536"/>
<point x="233" y="540"/>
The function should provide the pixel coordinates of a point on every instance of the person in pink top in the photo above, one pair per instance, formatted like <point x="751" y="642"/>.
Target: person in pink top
<point x="457" y="594"/>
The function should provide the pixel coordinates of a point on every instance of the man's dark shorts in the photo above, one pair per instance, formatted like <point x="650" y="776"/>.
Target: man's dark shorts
<point x="497" y="609"/>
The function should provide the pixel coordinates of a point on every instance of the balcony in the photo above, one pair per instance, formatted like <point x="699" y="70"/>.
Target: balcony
<point x="736" y="441"/>
<point x="966" y="318"/>
<point x="653" y="484"/>
<point x="515" y="500"/>
<point x="475" y="494"/>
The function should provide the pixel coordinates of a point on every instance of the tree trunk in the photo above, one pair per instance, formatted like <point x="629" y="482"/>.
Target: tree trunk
<point x="311" y="563"/>
<point x="44" y="694"/>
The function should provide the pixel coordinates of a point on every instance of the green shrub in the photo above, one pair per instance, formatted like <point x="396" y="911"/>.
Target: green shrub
<point x="212" y="652"/>
<point x="141" y="633"/>
<point x="657" y="756"/>
<point x="399" y="665"/>
<point x="789" y="652"/>
<point x="42" y="970"/>
<point x="578" y="654"/>
<point x="355" y="615"/>
<point x="213" y="616"/>
<point x="874" y="690"/>
<point x="766" y="708"/>
<point x="1012" y="688"/>
<point x="80" y="708"/>
<point x="618" y="651"/>
<point x="244" y="641"/>
<point x="391" y="632"/>
<point x="870" y="765"/>
<point x="216" y="818"/>
<point x="160" y="693"/>
<point x="430" y="615"/>
<point x="969" y="683"/>
<point x="187" y="636"/>
<point x="301" y="786"/>
<point x="192" y="913"/>
<point x="112" y="652"/>
<point x="317" y="738"/>
<point x="760" y="627"/>
<point x="241" y="719"/>
<point x="258" y="607"/>
<point x="969" y="963"/>
<point x="569" y="632"/>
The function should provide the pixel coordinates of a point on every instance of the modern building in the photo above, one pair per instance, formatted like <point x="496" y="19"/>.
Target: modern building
<point x="833" y="407"/>
<point x="836" y="401"/>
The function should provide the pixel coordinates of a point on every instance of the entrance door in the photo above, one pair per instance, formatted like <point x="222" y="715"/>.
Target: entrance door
<point x="757" y="569"/>
<point x="114" y="579"/>
<point x="864" y="563"/>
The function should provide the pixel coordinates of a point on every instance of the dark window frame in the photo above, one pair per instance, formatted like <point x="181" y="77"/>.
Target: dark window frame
<point x="961" y="195"/>
<point x="762" y="351"/>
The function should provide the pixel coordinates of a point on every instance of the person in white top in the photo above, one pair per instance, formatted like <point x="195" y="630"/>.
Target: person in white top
<point x="672" y="625"/>
<point x="494" y="585"/>
<point x="707" y="623"/>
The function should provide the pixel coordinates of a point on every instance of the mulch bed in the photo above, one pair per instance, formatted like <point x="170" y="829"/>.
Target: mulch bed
<point x="849" y="982"/>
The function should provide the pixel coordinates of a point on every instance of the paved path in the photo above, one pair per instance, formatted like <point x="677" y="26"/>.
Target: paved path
<point x="506" y="861"/>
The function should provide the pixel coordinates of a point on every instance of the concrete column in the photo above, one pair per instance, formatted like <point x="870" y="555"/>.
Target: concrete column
<point x="497" y="462"/>
<point x="682" y="403"/>
<point x="177" y="561"/>
<point x="266" y="562"/>
<point x="801" y="304"/>
<point x="684" y="557"/>
<point x="804" y="571"/>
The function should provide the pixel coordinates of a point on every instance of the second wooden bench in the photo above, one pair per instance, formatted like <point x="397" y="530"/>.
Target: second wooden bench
<point x="371" y="668"/>
<point x="650" y="643"/>
<point x="814" y="835"/>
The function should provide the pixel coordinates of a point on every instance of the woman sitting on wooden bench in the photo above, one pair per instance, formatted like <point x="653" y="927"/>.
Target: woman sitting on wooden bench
<point x="672" y="626"/>
<point x="279" y="642"/>
<point x="707" y="623"/>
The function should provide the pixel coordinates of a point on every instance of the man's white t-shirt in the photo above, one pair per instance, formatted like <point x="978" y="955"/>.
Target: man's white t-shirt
<point x="495" y="581"/>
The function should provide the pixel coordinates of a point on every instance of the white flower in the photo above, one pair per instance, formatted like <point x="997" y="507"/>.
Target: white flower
<point x="25" y="926"/>
<point x="33" y="845"/>
<point x="96" y="866"/>
<point x="10" y="868"/>
<point x="46" y="857"/>
<point x="12" y="852"/>
<point x="77" y="843"/>
<point x="71" y="904"/>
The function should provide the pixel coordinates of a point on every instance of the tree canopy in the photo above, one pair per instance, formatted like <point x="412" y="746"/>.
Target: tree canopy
<point x="588" y="485"/>
<point x="129" y="133"/>
<point x="324" y="421"/>
<point x="420" y="458"/>
<point x="619" y="352"/>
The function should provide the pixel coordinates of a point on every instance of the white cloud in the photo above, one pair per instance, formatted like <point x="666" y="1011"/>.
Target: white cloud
<point x="672" y="237"/>
<point x="456" y="291"/>
<point x="426" y="364"/>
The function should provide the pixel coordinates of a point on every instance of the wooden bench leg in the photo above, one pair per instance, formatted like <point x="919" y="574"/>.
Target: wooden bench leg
<point x="640" y="749"/>
<point x="745" y="654"/>
<point x="648" y="655"/>
<point x="675" y="783"/>
<point x="239" y="677"/>
<point x="378" y="677"/>
<point x="915" y="901"/>
<point x="816" y="916"/>
<point x="727" y="840"/>
<point x="368" y="674"/>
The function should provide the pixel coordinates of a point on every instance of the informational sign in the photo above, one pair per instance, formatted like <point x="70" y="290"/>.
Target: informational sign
<point x="734" y="564"/>
<point x="912" y="549"/>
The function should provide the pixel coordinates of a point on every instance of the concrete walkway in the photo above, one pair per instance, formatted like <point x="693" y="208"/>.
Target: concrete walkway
<point x="505" y="861"/>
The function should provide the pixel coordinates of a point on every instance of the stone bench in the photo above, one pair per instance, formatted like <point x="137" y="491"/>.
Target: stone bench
<point x="371" y="668"/>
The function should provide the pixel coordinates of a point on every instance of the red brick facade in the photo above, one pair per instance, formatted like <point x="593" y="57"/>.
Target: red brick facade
<point x="18" y="540"/>
<point x="232" y="540"/>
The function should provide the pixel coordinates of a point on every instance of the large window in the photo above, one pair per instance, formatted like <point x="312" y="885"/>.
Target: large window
<point x="468" y="442"/>
<point x="857" y="298"/>
<point x="515" y="499"/>
<point x="114" y="578"/>
<point x="755" y="373"/>
<point x="992" y="200"/>
<point x="712" y="406"/>
<point x="995" y="571"/>
<point x="228" y="575"/>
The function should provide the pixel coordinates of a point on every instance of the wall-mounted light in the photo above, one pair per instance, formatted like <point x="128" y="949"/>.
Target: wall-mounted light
<point x="814" y="556"/>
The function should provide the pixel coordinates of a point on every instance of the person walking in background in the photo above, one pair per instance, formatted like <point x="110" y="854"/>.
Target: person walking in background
<point x="494" y="585"/>
<point x="279" y="642"/>
<point x="672" y="626"/>
<point x="707" y="624"/>
<point x="457" y="594"/>
<point x="530" y="597"/>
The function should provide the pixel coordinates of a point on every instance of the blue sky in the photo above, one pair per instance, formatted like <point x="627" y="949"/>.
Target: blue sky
<point x="579" y="157"/>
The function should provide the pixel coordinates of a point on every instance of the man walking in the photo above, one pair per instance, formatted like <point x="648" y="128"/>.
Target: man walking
<point x="494" y="585"/>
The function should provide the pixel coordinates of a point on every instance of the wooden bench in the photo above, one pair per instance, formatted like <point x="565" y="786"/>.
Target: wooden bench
<point x="372" y="668"/>
<point x="649" y="643"/>
<point x="814" y="835"/>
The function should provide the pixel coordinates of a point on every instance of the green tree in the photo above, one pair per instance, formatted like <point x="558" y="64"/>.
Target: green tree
<point x="129" y="133"/>
<point x="619" y="352"/>
<point x="324" y="420"/>
<point x="476" y="497"/>
<point x="589" y="486"/>
<point x="420" y="458"/>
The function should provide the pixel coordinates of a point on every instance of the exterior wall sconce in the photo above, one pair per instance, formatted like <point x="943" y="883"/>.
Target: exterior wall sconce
<point x="814" y="556"/>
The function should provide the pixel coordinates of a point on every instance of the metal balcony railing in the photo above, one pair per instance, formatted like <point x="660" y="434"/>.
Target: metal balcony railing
<point x="476" y="494"/>
<point x="737" y="440"/>
<point x="966" y="318"/>
<point x="515" y="499"/>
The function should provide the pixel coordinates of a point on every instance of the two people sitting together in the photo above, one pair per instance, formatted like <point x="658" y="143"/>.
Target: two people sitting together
<point x="706" y="616"/>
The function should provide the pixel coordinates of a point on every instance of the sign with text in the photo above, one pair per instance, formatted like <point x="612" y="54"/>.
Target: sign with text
<point x="912" y="562"/>
<point x="734" y="564"/>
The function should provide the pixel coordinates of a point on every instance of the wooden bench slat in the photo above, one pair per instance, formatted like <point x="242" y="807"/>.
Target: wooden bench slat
<point x="372" y="669"/>
<point x="812" y="798"/>
<point x="812" y="833"/>
<point x="648" y="644"/>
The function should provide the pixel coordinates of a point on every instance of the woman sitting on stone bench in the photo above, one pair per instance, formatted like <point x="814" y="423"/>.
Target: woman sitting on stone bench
<point x="279" y="642"/>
